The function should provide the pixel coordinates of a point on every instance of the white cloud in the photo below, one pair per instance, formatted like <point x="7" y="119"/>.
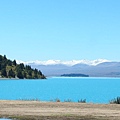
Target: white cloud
<point x="68" y="63"/>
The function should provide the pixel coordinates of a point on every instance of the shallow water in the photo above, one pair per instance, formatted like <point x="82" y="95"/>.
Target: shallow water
<point x="96" y="90"/>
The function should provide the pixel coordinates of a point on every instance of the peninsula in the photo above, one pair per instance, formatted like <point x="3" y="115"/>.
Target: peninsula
<point x="10" y="69"/>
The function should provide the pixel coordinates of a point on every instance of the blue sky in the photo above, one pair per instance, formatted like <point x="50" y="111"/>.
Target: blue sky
<point x="60" y="29"/>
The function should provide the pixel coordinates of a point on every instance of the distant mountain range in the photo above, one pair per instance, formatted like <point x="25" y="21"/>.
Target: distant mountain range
<point x="68" y="63"/>
<point x="95" y="68"/>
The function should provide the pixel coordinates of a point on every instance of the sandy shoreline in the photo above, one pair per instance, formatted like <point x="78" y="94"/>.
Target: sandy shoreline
<point x="36" y="110"/>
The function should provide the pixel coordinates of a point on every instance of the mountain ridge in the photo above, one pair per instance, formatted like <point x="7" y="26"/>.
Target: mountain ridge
<point x="93" y="68"/>
<point x="105" y="69"/>
<point x="67" y="63"/>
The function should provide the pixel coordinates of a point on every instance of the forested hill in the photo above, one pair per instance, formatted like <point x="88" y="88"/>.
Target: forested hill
<point x="10" y="69"/>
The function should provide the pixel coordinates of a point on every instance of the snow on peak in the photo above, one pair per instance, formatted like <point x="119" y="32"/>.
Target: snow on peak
<point x="68" y="63"/>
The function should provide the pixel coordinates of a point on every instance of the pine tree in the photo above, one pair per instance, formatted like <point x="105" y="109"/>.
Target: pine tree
<point x="20" y="75"/>
<point x="3" y="73"/>
<point x="14" y="62"/>
<point x="11" y="74"/>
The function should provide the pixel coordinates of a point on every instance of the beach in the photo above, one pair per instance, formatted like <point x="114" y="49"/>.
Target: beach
<point x="36" y="110"/>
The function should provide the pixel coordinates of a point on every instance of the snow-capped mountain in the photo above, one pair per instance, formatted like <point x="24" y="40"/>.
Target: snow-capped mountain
<point x="68" y="63"/>
<point x="93" y="68"/>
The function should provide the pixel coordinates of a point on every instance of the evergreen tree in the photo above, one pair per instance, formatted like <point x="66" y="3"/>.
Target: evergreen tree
<point x="24" y="74"/>
<point x="3" y="73"/>
<point x="21" y="66"/>
<point x="14" y="62"/>
<point x="30" y="73"/>
<point x="0" y="66"/>
<point x="9" y="62"/>
<point x="28" y="67"/>
<point x="11" y="74"/>
<point x="20" y="75"/>
<point x="36" y="74"/>
<point x="40" y="73"/>
<point x="5" y="58"/>
<point x="1" y="58"/>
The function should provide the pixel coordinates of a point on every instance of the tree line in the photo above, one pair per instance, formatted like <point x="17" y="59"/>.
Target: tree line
<point x="10" y="69"/>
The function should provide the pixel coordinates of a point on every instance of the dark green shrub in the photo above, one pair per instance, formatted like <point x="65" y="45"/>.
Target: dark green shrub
<point x="57" y="100"/>
<point x="115" y="101"/>
<point x="82" y="101"/>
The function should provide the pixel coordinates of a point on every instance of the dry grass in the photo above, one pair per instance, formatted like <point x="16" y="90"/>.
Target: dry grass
<point x="36" y="110"/>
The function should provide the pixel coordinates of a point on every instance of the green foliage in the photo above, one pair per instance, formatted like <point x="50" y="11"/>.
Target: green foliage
<point x="11" y="69"/>
<point x="11" y="73"/>
<point x="14" y="63"/>
<point x="0" y="67"/>
<point x="115" y="101"/>
<point x="1" y="58"/>
<point x="20" y="75"/>
<point x="68" y="100"/>
<point x="82" y="101"/>
<point x="57" y="100"/>
<point x="3" y="73"/>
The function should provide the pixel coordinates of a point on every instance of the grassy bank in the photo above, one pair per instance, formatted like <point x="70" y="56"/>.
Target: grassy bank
<point x="62" y="117"/>
<point x="36" y="110"/>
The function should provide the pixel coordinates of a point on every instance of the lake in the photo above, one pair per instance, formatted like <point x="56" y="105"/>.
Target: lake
<point x="95" y="90"/>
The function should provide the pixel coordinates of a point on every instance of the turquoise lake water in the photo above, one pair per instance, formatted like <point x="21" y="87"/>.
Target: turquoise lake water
<point x="95" y="90"/>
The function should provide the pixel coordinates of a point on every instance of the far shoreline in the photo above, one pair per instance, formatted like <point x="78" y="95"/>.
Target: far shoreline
<point x="19" y="79"/>
<point x="47" y="77"/>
